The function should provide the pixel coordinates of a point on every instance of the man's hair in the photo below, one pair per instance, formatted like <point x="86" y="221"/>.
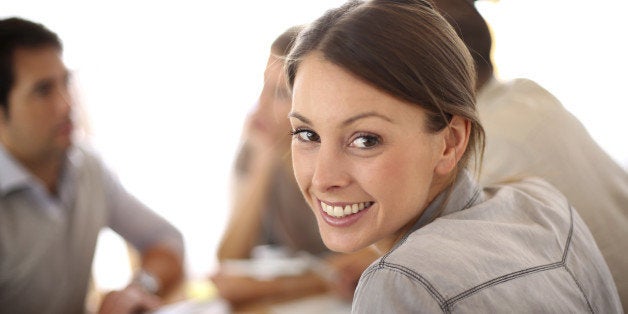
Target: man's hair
<point x="18" y="33"/>
<point x="472" y="29"/>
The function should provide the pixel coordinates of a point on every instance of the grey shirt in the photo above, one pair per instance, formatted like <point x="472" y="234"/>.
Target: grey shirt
<point x="530" y="133"/>
<point x="47" y="241"/>
<point x="512" y="248"/>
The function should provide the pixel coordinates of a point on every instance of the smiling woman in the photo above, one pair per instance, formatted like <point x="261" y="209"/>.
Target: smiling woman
<point x="382" y="133"/>
<point x="375" y="138"/>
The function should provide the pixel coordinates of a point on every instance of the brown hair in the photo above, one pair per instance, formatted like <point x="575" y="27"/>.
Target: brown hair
<point x="404" y="48"/>
<point x="282" y="44"/>
<point x="474" y="32"/>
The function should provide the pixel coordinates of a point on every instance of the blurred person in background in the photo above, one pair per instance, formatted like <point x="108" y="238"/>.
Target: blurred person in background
<point x="268" y="209"/>
<point x="530" y="133"/>
<point x="56" y="195"/>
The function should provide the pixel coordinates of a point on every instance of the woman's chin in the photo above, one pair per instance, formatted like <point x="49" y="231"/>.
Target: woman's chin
<point x="342" y="244"/>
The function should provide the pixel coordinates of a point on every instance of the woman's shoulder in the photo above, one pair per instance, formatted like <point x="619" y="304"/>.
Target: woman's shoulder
<point x="520" y="236"/>
<point x="509" y="216"/>
<point x="517" y="229"/>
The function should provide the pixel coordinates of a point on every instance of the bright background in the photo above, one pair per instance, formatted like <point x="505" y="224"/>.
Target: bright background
<point x="166" y="85"/>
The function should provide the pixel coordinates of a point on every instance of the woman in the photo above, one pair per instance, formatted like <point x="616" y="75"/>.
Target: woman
<point x="384" y="124"/>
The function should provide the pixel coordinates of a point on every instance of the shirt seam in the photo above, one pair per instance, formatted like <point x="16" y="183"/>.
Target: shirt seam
<point x="573" y="277"/>
<point x="447" y="304"/>
<point x="470" y="202"/>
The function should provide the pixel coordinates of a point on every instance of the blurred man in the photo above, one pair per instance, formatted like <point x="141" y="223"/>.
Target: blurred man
<point x="55" y="196"/>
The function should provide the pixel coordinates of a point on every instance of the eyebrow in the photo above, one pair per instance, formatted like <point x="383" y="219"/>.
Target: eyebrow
<point x="67" y="76"/>
<point x="364" y="115"/>
<point x="296" y="115"/>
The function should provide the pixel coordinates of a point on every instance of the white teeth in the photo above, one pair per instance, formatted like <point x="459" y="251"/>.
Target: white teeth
<point x="329" y="209"/>
<point x="339" y="211"/>
<point x="347" y="210"/>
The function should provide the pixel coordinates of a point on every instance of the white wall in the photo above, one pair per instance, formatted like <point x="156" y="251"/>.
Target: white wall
<point x="577" y="50"/>
<point x="166" y="86"/>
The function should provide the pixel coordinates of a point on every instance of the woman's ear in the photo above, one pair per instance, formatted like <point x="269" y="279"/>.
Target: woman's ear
<point x="456" y="138"/>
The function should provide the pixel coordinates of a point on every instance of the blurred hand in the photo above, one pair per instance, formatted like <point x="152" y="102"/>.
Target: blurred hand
<point x="264" y="129"/>
<point x="267" y="133"/>
<point x="130" y="300"/>
<point x="240" y="290"/>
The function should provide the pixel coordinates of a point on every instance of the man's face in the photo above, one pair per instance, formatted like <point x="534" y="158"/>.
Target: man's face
<point x="37" y="124"/>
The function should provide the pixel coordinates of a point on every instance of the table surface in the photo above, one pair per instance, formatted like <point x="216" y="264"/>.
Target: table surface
<point x="202" y="297"/>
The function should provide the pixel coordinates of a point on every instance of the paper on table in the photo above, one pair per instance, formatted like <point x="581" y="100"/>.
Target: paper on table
<point x="215" y="306"/>
<point x="272" y="261"/>
<point x="267" y="268"/>
<point x="328" y="304"/>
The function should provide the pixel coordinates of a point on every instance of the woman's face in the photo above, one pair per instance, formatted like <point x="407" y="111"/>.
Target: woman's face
<point x="363" y="159"/>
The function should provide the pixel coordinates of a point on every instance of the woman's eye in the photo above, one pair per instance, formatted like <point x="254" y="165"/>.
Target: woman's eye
<point x="366" y="141"/>
<point x="306" y="135"/>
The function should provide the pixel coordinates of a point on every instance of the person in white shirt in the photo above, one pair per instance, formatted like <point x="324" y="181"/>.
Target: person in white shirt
<point x="530" y="133"/>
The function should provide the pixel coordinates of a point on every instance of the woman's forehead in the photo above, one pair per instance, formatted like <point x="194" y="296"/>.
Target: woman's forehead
<point x="324" y="89"/>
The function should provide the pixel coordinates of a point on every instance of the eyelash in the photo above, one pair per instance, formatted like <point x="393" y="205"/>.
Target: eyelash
<point x="368" y="137"/>
<point x="297" y="133"/>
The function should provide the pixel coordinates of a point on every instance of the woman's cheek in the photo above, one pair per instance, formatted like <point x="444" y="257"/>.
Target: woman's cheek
<point x="303" y="168"/>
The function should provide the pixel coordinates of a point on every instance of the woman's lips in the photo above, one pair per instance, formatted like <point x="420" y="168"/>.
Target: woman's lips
<point x="343" y="215"/>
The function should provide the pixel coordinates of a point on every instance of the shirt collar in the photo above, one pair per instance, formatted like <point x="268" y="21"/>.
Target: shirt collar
<point x="463" y="194"/>
<point x="13" y="175"/>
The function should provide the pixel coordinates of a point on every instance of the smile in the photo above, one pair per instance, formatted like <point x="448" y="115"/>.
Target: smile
<point x="346" y="210"/>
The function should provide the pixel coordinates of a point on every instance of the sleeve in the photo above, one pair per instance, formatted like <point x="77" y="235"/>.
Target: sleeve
<point x="135" y="222"/>
<point x="516" y="125"/>
<point x="392" y="291"/>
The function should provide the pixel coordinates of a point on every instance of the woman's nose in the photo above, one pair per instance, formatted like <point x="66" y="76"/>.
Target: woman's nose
<point x="330" y="172"/>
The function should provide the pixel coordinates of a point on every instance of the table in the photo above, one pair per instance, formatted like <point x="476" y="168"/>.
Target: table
<point x="201" y="297"/>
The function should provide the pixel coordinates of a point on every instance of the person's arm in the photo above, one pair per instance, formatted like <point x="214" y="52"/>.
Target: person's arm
<point x="255" y="166"/>
<point x="160" y="246"/>
<point x="163" y="263"/>
<point x="161" y="272"/>
<point x="128" y="301"/>
<point x="241" y="290"/>
<point x="250" y="189"/>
